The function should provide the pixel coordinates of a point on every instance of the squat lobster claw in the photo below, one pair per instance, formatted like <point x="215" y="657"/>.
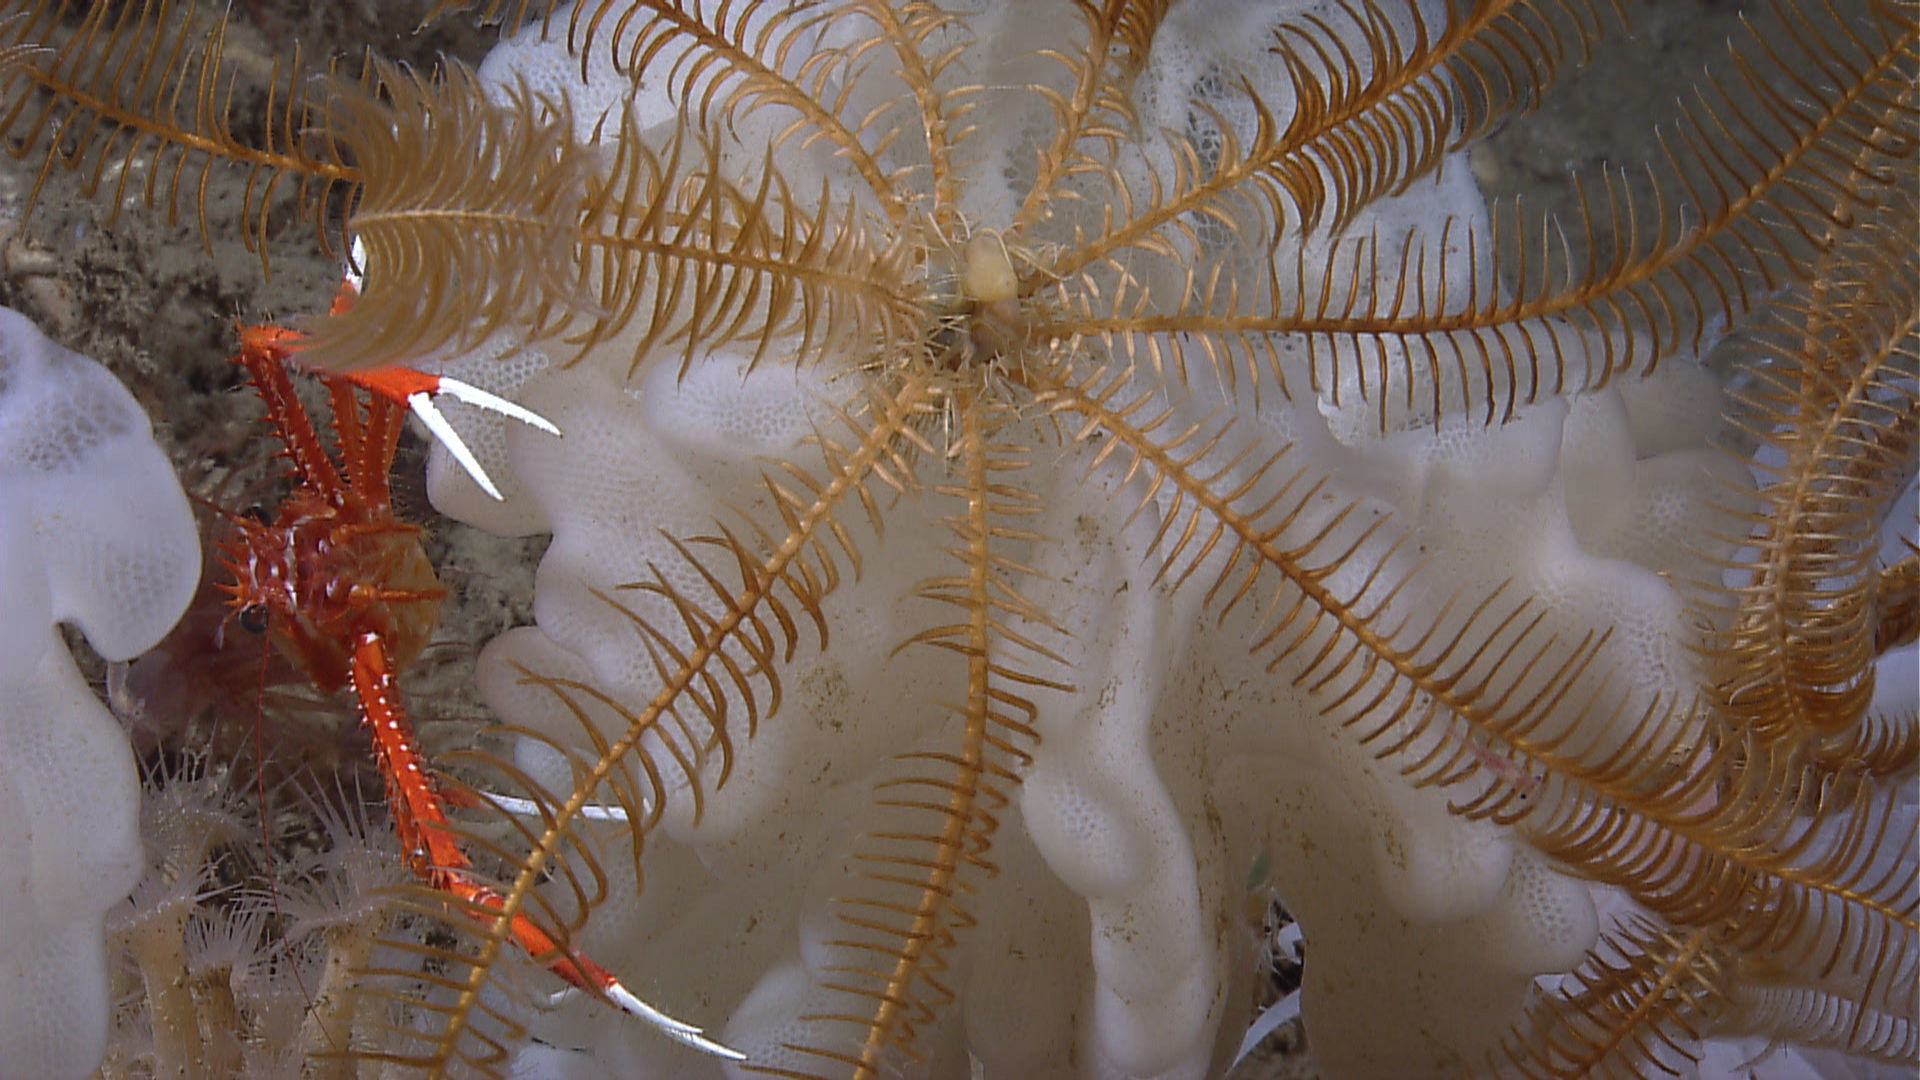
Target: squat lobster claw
<point x="405" y="386"/>
<point x="349" y="595"/>
<point x="417" y="389"/>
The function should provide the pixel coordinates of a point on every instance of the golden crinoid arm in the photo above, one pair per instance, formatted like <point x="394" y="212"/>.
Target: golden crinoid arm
<point x="729" y="61"/>
<point x="467" y="216"/>
<point x="595" y="228"/>
<point x="1780" y="850"/>
<point x="1095" y="111"/>
<point x="1754" y="177"/>
<point x="684" y="254"/>
<point x="1380" y="97"/>
<point x="479" y="208"/>
<point x="1639" y="998"/>
<point x="1832" y="401"/>
<point x="139" y="94"/>
<point x="936" y="808"/>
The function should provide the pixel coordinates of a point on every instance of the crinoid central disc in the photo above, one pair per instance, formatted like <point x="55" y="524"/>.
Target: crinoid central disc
<point x="981" y="327"/>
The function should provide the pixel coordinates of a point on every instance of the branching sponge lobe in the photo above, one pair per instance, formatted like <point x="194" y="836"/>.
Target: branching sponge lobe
<point x="94" y="532"/>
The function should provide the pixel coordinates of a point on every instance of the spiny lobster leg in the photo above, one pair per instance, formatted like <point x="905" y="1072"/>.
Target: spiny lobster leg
<point x="367" y="442"/>
<point x="263" y="352"/>
<point x="419" y="812"/>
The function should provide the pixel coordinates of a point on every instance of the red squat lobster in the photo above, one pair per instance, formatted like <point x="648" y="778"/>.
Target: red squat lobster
<point x="350" y="596"/>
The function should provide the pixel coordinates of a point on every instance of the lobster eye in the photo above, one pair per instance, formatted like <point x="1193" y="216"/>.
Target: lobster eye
<point x="253" y="618"/>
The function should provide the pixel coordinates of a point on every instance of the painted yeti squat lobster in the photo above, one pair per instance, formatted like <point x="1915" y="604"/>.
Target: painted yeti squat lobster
<point x="348" y="594"/>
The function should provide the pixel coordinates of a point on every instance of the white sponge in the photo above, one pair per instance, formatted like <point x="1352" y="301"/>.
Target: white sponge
<point x="94" y="531"/>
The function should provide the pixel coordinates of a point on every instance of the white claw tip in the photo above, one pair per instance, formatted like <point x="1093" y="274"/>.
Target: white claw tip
<point x="678" y="1030"/>
<point x="529" y="808"/>
<point x="355" y="275"/>
<point x="422" y="406"/>
<point x="481" y="399"/>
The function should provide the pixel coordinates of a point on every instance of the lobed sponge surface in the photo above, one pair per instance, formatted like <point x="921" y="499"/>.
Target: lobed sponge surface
<point x="94" y="532"/>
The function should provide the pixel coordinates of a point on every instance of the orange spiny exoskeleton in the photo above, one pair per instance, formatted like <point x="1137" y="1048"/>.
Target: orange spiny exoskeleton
<point x="349" y="595"/>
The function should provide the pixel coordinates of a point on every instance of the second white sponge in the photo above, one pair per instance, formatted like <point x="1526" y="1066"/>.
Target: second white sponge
<point x="94" y="531"/>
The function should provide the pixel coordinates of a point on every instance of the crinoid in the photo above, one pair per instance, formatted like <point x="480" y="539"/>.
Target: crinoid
<point x="1025" y="465"/>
